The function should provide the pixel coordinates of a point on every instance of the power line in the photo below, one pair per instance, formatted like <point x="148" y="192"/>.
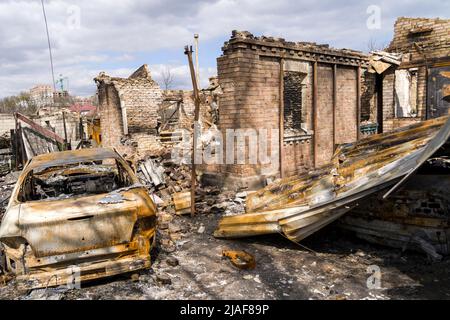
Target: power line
<point x="49" y="45"/>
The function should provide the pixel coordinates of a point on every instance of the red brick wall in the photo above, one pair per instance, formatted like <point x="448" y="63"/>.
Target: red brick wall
<point x="346" y="105"/>
<point x="388" y="94"/>
<point x="248" y="73"/>
<point x="435" y="42"/>
<point x="368" y="96"/>
<point x="110" y="115"/>
<point x="324" y="131"/>
<point x="250" y="99"/>
<point x="142" y="98"/>
<point x="297" y="157"/>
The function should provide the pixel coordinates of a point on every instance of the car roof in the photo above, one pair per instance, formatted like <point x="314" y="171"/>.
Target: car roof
<point x="72" y="156"/>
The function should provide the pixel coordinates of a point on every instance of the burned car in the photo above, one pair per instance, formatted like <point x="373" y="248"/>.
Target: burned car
<point x="79" y="212"/>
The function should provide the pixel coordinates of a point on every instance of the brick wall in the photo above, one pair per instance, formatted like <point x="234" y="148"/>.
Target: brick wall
<point x="324" y="132"/>
<point x="249" y="75"/>
<point x="388" y="94"/>
<point x="110" y="115"/>
<point x="346" y="105"/>
<point x="141" y="98"/>
<point x="6" y="123"/>
<point x="138" y="97"/>
<point x="368" y="97"/>
<point x="250" y="99"/>
<point x="432" y="35"/>
<point x="422" y="41"/>
<point x="394" y="123"/>
<point x="421" y="94"/>
<point x="56" y="121"/>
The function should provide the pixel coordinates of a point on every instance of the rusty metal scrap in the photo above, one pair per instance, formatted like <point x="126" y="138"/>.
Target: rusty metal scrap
<point x="240" y="259"/>
<point x="299" y="206"/>
<point x="85" y="208"/>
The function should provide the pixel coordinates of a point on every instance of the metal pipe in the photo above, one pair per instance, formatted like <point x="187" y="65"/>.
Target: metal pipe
<point x="197" y="70"/>
<point x="49" y="45"/>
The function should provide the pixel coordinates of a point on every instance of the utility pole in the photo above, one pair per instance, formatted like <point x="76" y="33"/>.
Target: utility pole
<point x="49" y="45"/>
<point x="188" y="52"/>
<point x="196" y="61"/>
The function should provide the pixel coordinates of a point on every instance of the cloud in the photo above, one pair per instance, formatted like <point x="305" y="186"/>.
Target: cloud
<point x="119" y="36"/>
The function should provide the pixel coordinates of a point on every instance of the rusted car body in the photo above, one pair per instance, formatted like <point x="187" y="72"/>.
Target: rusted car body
<point x="298" y="206"/>
<point x="81" y="210"/>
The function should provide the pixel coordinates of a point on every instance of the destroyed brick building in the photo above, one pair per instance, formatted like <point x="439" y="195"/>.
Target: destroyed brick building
<point x="128" y="107"/>
<point x="320" y="108"/>
<point x="310" y="92"/>
<point x="413" y="76"/>
<point x="317" y="97"/>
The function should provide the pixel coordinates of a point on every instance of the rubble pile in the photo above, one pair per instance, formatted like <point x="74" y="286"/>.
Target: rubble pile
<point x="7" y="183"/>
<point x="5" y="154"/>
<point x="169" y="183"/>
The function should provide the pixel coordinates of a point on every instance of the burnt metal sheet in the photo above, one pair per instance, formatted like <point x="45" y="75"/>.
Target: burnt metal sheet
<point x="301" y="205"/>
<point x="433" y="146"/>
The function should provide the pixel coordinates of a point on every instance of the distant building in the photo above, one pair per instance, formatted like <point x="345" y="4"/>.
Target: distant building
<point x="42" y="95"/>
<point x="83" y="110"/>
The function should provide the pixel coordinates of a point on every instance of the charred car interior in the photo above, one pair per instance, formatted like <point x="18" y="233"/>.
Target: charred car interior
<point x="74" y="180"/>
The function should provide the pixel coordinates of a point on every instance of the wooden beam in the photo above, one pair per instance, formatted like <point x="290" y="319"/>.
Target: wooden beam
<point x="65" y="127"/>
<point x="188" y="52"/>
<point x="281" y="118"/>
<point x="44" y="131"/>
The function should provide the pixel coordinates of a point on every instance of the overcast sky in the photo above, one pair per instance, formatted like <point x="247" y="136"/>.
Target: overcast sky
<point x="89" y="36"/>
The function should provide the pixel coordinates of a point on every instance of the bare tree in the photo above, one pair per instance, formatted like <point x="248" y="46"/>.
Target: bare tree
<point x="167" y="77"/>
<point x="19" y="103"/>
<point x="374" y="45"/>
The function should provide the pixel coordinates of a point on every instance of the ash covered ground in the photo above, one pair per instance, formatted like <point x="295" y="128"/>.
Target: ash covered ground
<point x="331" y="264"/>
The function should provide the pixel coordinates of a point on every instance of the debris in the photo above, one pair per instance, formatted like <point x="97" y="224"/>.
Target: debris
<point x="113" y="197"/>
<point x="201" y="229"/>
<point x="157" y="200"/>
<point x="299" y="206"/>
<point x="47" y="294"/>
<point x="172" y="261"/>
<point x="153" y="173"/>
<point x="175" y="227"/>
<point x="163" y="278"/>
<point x="242" y="194"/>
<point x="240" y="259"/>
<point x="135" y="277"/>
<point x="182" y="202"/>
